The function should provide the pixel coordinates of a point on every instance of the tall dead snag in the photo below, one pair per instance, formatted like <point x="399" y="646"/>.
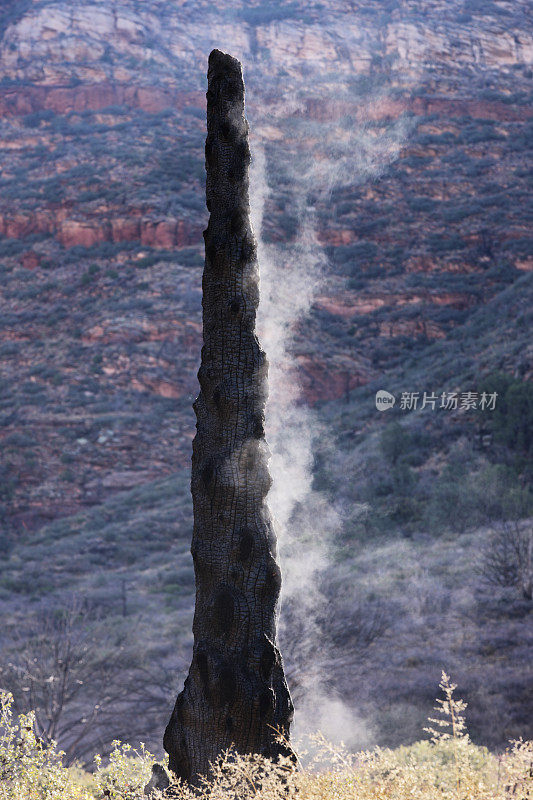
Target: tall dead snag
<point x="235" y="693"/>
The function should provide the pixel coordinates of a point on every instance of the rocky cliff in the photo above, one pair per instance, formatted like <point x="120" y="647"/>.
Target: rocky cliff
<point x="102" y="206"/>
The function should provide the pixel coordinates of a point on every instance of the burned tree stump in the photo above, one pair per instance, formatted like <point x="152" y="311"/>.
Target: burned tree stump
<point x="235" y="694"/>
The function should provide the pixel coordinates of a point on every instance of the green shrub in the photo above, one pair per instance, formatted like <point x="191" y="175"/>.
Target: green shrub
<point x="511" y="421"/>
<point x="456" y="213"/>
<point x="416" y="162"/>
<point x="448" y="766"/>
<point x="394" y="442"/>
<point x="422" y="204"/>
<point x="30" y="769"/>
<point x="127" y="773"/>
<point x="87" y="278"/>
<point x="12" y="247"/>
<point x="359" y="252"/>
<point x="439" y="243"/>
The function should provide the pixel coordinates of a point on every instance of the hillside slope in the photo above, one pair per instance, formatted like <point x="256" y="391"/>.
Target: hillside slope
<point x="405" y="595"/>
<point x="396" y="142"/>
<point x="405" y="130"/>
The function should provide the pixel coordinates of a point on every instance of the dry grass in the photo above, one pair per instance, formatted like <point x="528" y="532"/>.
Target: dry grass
<point x="448" y="766"/>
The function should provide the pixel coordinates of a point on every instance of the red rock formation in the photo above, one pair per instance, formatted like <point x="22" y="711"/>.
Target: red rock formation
<point x="152" y="99"/>
<point x="165" y="233"/>
<point x="328" y="380"/>
<point x="348" y="307"/>
<point x="125" y="229"/>
<point x="85" y="233"/>
<point x="160" y="387"/>
<point x="18" y="226"/>
<point x="160" y="233"/>
<point x="336" y="236"/>
<point x="411" y="327"/>
<point x="31" y="260"/>
<point x="61" y="99"/>
<point x="321" y="110"/>
<point x="455" y="107"/>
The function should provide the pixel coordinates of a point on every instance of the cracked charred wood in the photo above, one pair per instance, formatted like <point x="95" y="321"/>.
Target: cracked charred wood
<point x="235" y="694"/>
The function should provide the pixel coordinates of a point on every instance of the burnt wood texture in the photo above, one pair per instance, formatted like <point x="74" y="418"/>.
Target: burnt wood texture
<point x="235" y="694"/>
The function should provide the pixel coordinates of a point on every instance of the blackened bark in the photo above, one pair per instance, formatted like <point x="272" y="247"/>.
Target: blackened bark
<point x="235" y="693"/>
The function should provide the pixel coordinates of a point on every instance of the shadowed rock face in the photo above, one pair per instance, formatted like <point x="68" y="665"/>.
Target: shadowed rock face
<point x="235" y="693"/>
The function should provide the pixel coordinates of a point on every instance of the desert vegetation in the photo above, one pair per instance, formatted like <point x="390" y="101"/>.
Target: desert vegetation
<point x="446" y="764"/>
<point x="426" y="285"/>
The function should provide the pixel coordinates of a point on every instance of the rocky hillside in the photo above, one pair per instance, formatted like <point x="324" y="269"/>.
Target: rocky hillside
<point x="101" y="208"/>
<point x="396" y="138"/>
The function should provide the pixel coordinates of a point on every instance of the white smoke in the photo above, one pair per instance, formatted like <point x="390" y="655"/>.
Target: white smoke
<point x="306" y="522"/>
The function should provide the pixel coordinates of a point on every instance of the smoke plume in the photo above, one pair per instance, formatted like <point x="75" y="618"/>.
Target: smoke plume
<point x="291" y="275"/>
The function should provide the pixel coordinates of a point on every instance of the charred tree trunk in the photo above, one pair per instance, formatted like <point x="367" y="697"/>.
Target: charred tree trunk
<point x="235" y="693"/>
